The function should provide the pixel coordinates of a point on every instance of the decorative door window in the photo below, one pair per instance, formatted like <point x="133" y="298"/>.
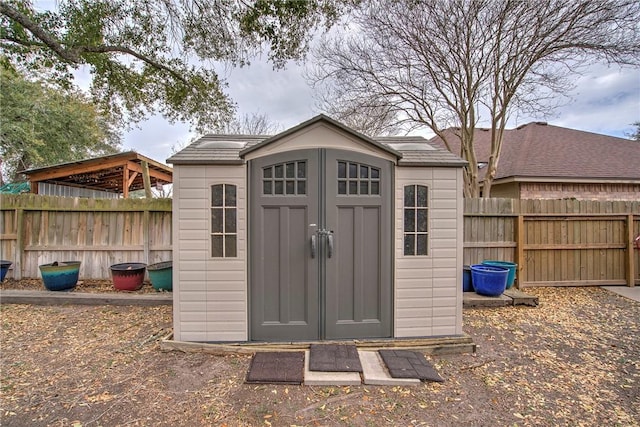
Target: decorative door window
<point x="416" y="220"/>
<point x="224" y="214"/>
<point x="358" y="179"/>
<point x="285" y="178"/>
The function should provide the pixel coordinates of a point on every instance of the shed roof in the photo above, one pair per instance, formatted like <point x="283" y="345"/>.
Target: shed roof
<point x="105" y="173"/>
<point x="539" y="150"/>
<point x="230" y="149"/>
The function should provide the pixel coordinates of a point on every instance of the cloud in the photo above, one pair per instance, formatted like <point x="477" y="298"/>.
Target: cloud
<point x="605" y="100"/>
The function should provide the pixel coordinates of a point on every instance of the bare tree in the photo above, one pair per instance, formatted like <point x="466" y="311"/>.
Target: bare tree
<point x="250" y="124"/>
<point x="370" y="117"/>
<point x="635" y="134"/>
<point x="451" y="64"/>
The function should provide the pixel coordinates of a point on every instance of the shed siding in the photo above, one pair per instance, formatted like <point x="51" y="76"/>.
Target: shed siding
<point x="210" y="295"/>
<point x="428" y="290"/>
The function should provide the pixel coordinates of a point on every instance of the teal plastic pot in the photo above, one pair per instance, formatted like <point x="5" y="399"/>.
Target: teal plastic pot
<point x="161" y="275"/>
<point x="60" y="276"/>
<point x="504" y="264"/>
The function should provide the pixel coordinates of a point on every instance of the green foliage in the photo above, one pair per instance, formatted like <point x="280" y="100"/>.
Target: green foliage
<point x="142" y="54"/>
<point x="42" y="125"/>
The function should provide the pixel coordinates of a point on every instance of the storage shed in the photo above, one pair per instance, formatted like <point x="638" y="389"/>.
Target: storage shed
<point x="317" y="233"/>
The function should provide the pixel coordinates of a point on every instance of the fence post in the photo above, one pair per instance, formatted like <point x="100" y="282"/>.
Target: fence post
<point x="17" y="268"/>
<point x="520" y="249"/>
<point x="630" y="273"/>
<point x="146" y="232"/>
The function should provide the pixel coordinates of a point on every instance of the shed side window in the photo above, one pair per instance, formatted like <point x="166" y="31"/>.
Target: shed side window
<point x="416" y="220"/>
<point x="223" y="221"/>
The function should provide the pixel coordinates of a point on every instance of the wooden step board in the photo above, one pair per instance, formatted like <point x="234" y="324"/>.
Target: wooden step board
<point x="509" y="297"/>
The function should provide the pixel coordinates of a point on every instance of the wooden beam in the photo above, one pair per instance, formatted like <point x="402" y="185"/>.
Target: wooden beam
<point x="469" y="245"/>
<point x="125" y="181"/>
<point x="574" y="283"/>
<point x="575" y="246"/>
<point x="162" y="176"/>
<point x="66" y="171"/>
<point x="124" y="248"/>
<point x="132" y="177"/>
<point x="146" y="179"/>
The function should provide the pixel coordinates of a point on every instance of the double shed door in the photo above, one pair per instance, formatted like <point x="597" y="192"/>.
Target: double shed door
<point x="320" y="246"/>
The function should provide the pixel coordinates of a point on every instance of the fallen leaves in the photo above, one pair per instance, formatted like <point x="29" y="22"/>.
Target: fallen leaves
<point x="571" y="361"/>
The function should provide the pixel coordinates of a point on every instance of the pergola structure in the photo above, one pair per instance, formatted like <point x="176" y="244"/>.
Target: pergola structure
<point x="116" y="173"/>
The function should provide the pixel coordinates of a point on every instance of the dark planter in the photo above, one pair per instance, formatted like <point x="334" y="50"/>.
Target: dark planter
<point x="4" y="268"/>
<point x="128" y="276"/>
<point x="60" y="276"/>
<point x="161" y="275"/>
<point x="467" y="283"/>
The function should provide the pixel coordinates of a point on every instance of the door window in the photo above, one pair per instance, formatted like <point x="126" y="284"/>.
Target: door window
<point x="358" y="179"/>
<point x="285" y="178"/>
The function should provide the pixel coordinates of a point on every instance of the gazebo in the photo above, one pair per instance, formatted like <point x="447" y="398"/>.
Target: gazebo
<point x="112" y="176"/>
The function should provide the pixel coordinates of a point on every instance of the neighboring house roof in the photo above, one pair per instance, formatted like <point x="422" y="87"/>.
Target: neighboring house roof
<point x="105" y="173"/>
<point x="539" y="150"/>
<point x="230" y="149"/>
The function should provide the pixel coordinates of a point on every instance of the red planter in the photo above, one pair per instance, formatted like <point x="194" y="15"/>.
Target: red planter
<point x="128" y="276"/>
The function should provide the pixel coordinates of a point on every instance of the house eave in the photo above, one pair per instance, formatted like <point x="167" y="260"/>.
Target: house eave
<point x="556" y="180"/>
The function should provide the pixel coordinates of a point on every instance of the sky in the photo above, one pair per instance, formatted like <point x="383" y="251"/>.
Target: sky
<point x="605" y="100"/>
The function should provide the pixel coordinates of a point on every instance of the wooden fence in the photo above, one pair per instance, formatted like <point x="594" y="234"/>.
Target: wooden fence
<point x="554" y="242"/>
<point x="37" y="230"/>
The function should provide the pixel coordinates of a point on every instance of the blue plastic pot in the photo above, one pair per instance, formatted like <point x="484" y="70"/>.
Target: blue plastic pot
<point x="61" y="276"/>
<point x="510" y="265"/>
<point x="467" y="283"/>
<point x="489" y="280"/>
<point x="4" y="268"/>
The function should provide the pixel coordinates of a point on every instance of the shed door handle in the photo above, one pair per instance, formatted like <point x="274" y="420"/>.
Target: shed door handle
<point x="313" y="245"/>
<point x="330" y="241"/>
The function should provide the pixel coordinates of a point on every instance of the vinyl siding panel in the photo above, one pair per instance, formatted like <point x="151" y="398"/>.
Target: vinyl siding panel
<point x="210" y="294"/>
<point x="428" y="290"/>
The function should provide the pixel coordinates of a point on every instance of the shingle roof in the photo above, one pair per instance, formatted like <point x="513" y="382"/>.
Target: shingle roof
<point x="228" y="149"/>
<point x="216" y="149"/>
<point x="541" y="150"/>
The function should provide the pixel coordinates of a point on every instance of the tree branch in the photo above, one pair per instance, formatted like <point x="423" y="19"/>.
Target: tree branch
<point x="123" y="49"/>
<point x="38" y="32"/>
<point x="74" y="54"/>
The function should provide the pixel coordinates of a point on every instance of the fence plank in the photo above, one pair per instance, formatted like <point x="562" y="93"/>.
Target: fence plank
<point x="96" y="232"/>
<point x="563" y="242"/>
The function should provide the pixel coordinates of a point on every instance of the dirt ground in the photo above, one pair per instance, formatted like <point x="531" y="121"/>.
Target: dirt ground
<point x="574" y="360"/>
<point x="83" y="286"/>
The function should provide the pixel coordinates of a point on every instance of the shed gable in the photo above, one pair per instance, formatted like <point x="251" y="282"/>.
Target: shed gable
<point x="320" y="132"/>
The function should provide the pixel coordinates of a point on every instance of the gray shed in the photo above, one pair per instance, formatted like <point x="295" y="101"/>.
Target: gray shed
<point x="317" y="233"/>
